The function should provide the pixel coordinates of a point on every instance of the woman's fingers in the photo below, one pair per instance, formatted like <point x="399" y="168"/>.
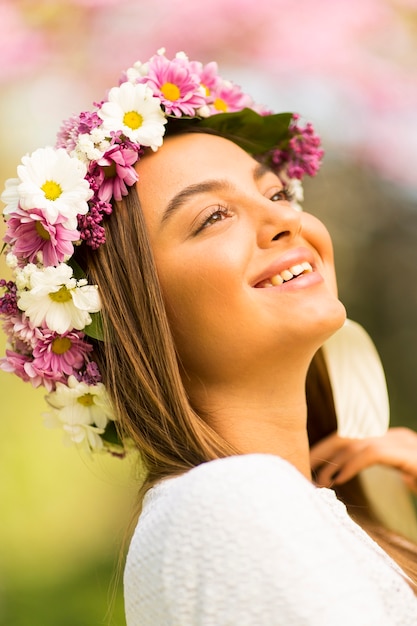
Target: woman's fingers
<point x="336" y="460"/>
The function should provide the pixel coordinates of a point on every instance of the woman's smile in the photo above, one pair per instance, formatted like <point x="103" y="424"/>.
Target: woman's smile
<point x="288" y="267"/>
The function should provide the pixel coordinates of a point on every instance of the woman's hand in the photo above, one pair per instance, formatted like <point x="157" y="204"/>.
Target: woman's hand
<point x="335" y="460"/>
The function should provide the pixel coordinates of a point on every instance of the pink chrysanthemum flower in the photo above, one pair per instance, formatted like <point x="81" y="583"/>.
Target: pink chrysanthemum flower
<point x="228" y="97"/>
<point x="209" y="78"/>
<point x="114" y="172"/>
<point x="20" y="329"/>
<point x="302" y="155"/>
<point x="177" y="86"/>
<point x="14" y="363"/>
<point x="31" y="233"/>
<point x="56" y="356"/>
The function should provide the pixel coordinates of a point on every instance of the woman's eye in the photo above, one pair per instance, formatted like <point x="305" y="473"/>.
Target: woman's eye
<point x="217" y="215"/>
<point x="281" y="195"/>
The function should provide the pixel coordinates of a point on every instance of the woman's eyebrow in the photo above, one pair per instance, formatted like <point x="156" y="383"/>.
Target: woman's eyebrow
<point x="206" y="186"/>
<point x="185" y="194"/>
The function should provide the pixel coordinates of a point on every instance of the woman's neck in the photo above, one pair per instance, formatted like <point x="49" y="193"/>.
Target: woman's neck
<point x="265" y="414"/>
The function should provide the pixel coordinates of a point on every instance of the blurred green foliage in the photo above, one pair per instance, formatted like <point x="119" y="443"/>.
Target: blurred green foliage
<point x="83" y="599"/>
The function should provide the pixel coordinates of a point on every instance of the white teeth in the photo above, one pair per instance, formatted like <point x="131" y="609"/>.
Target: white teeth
<point x="288" y="274"/>
<point x="296" y="270"/>
<point x="277" y="280"/>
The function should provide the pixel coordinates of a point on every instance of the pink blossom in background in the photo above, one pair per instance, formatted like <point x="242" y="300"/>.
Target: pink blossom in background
<point x="361" y="54"/>
<point x="21" y="48"/>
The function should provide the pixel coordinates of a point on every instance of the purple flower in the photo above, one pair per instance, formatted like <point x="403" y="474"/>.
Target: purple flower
<point x="114" y="172"/>
<point x="176" y="84"/>
<point x="91" y="374"/>
<point x="74" y="126"/>
<point x="8" y="302"/>
<point x="90" y="227"/>
<point x="302" y="155"/>
<point x="30" y="232"/>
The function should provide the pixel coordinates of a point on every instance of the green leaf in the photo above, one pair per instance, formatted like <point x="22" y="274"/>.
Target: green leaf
<point x="77" y="270"/>
<point x="110" y="434"/>
<point x="95" y="329"/>
<point x="253" y="132"/>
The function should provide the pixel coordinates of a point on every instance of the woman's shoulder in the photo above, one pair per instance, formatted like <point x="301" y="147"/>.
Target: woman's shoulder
<point x="249" y="540"/>
<point x="235" y="478"/>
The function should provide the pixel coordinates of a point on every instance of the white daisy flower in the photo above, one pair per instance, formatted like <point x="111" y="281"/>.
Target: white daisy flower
<point x="53" y="181"/>
<point x="10" y="196"/>
<point x="88" y="437"/>
<point x="135" y="111"/>
<point x="79" y="404"/>
<point x="58" y="300"/>
<point x="82" y="410"/>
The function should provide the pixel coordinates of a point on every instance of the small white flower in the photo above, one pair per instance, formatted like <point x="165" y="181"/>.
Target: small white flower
<point x="11" y="260"/>
<point x="137" y="71"/>
<point x="23" y="274"/>
<point x="295" y="188"/>
<point x="53" y="297"/>
<point x="91" y="147"/>
<point x="53" y="181"/>
<point x="134" y="110"/>
<point x="203" y="111"/>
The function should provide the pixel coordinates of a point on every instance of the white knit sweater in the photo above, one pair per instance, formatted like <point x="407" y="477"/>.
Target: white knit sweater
<point x="248" y="541"/>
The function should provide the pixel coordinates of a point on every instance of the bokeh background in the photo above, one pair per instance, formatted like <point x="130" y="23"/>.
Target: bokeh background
<point x="350" y="67"/>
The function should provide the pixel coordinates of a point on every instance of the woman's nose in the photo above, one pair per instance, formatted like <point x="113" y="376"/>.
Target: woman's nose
<point x="277" y="220"/>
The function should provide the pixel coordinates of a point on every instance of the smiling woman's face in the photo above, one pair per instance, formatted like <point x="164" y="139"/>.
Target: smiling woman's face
<point x="225" y="238"/>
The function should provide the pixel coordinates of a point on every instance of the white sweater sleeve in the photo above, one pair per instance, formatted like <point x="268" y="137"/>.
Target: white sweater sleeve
<point x="247" y="541"/>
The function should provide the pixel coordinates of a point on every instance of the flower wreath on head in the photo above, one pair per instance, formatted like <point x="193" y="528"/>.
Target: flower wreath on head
<point x="63" y="195"/>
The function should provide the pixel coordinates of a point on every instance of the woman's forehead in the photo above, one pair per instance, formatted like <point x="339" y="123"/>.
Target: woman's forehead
<point x="189" y="159"/>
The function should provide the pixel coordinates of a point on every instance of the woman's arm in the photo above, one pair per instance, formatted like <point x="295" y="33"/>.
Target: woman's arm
<point x="335" y="460"/>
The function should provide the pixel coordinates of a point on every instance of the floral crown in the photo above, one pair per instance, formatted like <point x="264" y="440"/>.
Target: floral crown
<point x="63" y="195"/>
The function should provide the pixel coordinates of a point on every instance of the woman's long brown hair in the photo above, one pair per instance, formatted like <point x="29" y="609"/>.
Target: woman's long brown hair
<point x="140" y="369"/>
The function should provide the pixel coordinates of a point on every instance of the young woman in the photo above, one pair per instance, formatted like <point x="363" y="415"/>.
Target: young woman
<point x="216" y="295"/>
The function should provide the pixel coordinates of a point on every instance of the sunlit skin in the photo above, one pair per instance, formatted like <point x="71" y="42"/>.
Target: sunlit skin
<point x="244" y="347"/>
